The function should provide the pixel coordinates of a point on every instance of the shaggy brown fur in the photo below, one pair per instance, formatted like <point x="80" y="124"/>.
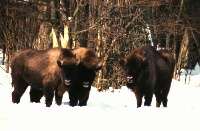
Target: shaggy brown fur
<point x="45" y="71"/>
<point x="149" y="71"/>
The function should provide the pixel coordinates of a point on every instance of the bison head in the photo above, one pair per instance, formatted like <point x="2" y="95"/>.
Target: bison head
<point x="68" y="65"/>
<point x="134" y="65"/>
<point x="89" y="64"/>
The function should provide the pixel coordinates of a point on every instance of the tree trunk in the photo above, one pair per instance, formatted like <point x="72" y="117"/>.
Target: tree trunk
<point x="82" y="22"/>
<point x="182" y="54"/>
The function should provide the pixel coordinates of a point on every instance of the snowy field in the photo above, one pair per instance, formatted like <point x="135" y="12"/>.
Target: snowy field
<point x="106" y="111"/>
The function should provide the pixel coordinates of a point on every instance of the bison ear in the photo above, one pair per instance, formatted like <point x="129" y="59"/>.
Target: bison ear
<point x="60" y="63"/>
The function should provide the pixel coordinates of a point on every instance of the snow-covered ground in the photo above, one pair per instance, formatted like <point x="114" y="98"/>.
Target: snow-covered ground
<point x="106" y="111"/>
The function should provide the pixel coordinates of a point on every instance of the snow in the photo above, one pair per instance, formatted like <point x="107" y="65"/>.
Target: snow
<point x="107" y="110"/>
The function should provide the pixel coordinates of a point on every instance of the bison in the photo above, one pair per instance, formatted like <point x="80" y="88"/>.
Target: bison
<point x="46" y="71"/>
<point x="89" y="64"/>
<point x="83" y="77"/>
<point x="149" y="72"/>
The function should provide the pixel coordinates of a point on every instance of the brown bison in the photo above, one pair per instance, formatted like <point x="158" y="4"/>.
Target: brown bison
<point x="83" y="78"/>
<point x="45" y="71"/>
<point x="149" y="72"/>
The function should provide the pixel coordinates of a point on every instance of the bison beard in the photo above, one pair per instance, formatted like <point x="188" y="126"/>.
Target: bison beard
<point x="149" y="72"/>
<point x="80" y="90"/>
<point x="45" y="71"/>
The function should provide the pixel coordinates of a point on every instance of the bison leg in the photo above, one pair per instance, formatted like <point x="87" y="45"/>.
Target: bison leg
<point x="158" y="101"/>
<point x="49" y="94"/>
<point x="73" y="97"/>
<point x="19" y="89"/>
<point x="164" y="101"/>
<point x="139" y="101"/>
<point x="158" y="98"/>
<point x="58" y="98"/>
<point x="83" y="102"/>
<point x="164" y="94"/>
<point x="148" y="99"/>
<point x="138" y="96"/>
<point x="83" y="98"/>
<point x="35" y="94"/>
<point x="73" y="101"/>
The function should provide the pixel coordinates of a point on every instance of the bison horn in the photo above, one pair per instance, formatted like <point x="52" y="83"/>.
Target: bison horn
<point x="60" y="63"/>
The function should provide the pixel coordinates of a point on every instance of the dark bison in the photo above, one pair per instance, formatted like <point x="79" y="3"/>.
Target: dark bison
<point x="149" y="72"/>
<point x="83" y="77"/>
<point x="45" y="71"/>
<point x="89" y="64"/>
